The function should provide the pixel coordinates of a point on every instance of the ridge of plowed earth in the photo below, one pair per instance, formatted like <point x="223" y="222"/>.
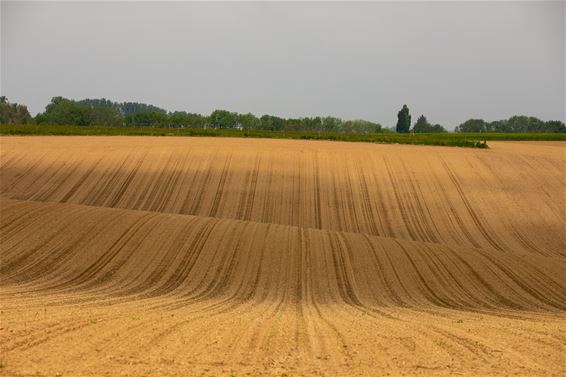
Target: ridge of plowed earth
<point x="159" y="293"/>
<point x="510" y="197"/>
<point x="303" y="259"/>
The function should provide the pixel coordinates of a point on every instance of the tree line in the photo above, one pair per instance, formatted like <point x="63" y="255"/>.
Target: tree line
<point x="517" y="123"/>
<point x="131" y="114"/>
<point x="104" y="112"/>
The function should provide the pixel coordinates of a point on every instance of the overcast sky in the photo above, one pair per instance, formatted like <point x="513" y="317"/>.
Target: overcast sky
<point x="448" y="60"/>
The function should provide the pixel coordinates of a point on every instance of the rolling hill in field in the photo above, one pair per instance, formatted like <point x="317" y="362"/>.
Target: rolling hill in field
<point x="182" y="256"/>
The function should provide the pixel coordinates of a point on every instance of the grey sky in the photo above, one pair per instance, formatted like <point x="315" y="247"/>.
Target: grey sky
<point x="448" y="60"/>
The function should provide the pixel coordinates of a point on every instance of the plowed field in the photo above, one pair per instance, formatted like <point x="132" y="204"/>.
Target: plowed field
<point x="148" y="256"/>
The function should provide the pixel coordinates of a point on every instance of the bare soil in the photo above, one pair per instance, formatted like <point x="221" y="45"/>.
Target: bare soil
<point x="144" y="256"/>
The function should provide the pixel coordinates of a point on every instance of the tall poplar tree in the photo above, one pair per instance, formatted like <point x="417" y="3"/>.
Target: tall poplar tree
<point x="403" y="120"/>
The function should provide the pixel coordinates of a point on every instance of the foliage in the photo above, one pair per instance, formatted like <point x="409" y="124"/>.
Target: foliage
<point x="13" y="113"/>
<point x="446" y="139"/>
<point x="123" y="108"/>
<point x="515" y="124"/>
<point x="104" y="112"/>
<point x="359" y="126"/>
<point x="64" y="111"/>
<point x="423" y="126"/>
<point x="249" y="121"/>
<point x="89" y="112"/>
<point x="151" y="119"/>
<point x="271" y="123"/>
<point x="223" y="119"/>
<point x="182" y="119"/>
<point x="130" y="108"/>
<point x="403" y="120"/>
<point x="472" y="125"/>
<point x="131" y="114"/>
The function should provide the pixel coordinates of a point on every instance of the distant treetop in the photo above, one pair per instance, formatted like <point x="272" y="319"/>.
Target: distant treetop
<point x="403" y="120"/>
<point x="13" y="113"/>
<point x="517" y="123"/>
<point x="423" y="126"/>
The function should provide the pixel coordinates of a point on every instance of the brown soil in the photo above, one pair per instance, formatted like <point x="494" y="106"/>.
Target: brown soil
<point x="235" y="257"/>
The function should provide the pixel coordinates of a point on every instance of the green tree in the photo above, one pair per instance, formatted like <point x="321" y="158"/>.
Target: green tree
<point x="554" y="126"/>
<point x="472" y="125"/>
<point x="359" y="126"/>
<point x="224" y="119"/>
<point x="249" y="121"/>
<point x="182" y="119"/>
<point x="271" y="123"/>
<point x="522" y="123"/>
<point x="293" y="124"/>
<point x="150" y="119"/>
<point x="13" y="113"/>
<point x="64" y="111"/>
<point x="516" y="123"/>
<point x="435" y="128"/>
<point x="331" y="124"/>
<point x="130" y="108"/>
<point x="423" y="126"/>
<point x="403" y="120"/>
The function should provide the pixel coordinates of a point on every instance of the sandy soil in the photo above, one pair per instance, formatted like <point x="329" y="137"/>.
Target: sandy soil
<point x="235" y="257"/>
